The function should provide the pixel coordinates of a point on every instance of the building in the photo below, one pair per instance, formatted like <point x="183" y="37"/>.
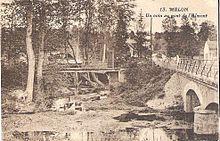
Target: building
<point x="210" y="50"/>
<point x="131" y="44"/>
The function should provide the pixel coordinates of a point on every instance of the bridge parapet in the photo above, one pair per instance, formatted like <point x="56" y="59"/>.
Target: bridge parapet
<point x="207" y="70"/>
<point x="204" y="70"/>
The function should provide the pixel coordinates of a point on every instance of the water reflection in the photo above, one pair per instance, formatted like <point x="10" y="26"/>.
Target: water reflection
<point x="127" y="134"/>
<point x="151" y="134"/>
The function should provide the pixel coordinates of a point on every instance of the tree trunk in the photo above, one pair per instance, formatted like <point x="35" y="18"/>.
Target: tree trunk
<point x="96" y="79"/>
<point x="104" y="47"/>
<point x="71" y="47"/>
<point x="40" y="65"/>
<point x="43" y="31"/>
<point x="104" y="53"/>
<point x="93" y="84"/>
<point x="31" y="57"/>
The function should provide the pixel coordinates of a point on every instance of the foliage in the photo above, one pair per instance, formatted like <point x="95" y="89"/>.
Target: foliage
<point x="121" y="36"/>
<point x="55" y="80"/>
<point x="106" y="13"/>
<point x="169" y="24"/>
<point x="53" y="19"/>
<point x="141" y="39"/>
<point x="124" y="14"/>
<point x="140" y="71"/>
<point x="55" y="85"/>
<point x="8" y="102"/>
<point x="189" y="41"/>
<point x="145" y="80"/>
<point x="14" y="76"/>
<point x="184" y="40"/>
<point x="207" y="30"/>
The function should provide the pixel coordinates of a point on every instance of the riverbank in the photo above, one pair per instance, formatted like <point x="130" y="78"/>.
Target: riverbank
<point x="98" y="116"/>
<point x="102" y="119"/>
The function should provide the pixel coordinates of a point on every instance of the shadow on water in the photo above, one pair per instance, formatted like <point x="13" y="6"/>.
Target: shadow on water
<point x="133" y="116"/>
<point x="127" y="134"/>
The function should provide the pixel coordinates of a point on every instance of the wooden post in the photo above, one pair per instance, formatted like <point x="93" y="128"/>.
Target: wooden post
<point x="185" y="68"/>
<point x="198" y="67"/>
<point x="119" y="76"/>
<point x="104" y="53"/>
<point x="183" y="64"/>
<point x="151" y="38"/>
<point x="203" y="68"/>
<point x="113" y="58"/>
<point x="193" y="67"/>
<point x="76" y="83"/>
<point x="215" y="76"/>
<point x="210" y="69"/>
<point x="190" y="63"/>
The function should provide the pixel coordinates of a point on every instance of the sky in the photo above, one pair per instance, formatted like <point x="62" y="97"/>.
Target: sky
<point x="209" y="7"/>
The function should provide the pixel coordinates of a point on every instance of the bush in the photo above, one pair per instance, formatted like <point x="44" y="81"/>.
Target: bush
<point x="14" y="76"/>
<point x="140" y="72"/>
<point x="8" y="101"/>
<point x="145" y="80"/>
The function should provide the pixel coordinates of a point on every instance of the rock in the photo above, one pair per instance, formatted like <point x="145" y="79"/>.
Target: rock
<point x="105" y="92"/>
<point x="59" y="105"/>
<point x="18" y="94"/>
<point x="148" y="117"/>
<point x="25" y="108"/>
<point x="126" y="117"/>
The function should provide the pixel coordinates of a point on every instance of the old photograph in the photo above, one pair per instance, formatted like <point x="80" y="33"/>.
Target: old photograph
<point x="109" y="70"/>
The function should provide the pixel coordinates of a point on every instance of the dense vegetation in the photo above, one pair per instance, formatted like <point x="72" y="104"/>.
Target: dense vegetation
<point x="144" y="81"/>
<point x="185" y="40"/>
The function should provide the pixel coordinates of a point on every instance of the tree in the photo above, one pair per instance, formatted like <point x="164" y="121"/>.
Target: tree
<point x="30" y="53"/>
<point x="171" y="36"/>
<point x="189" y="41"/>
<point x="169" y="24"/>
<point x="185" y="20"/>
<point x="207" y="30"/>
<point x="124" y="16"/>
<point x="141" y="39"/>
<point x="88" y="28"/>
<point x="38" y="17"/>
<point x="140" y="36"/>
<point x="140" y="24"/>
<point x="183" y="41"/>
<point x="25" y="9"/>
<point x="106" y="21"/>
<point x="43" y="30"/>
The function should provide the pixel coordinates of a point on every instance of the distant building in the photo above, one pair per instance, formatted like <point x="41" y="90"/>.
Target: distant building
<point x="210" y="50"/>
<point x="131" y="44"/>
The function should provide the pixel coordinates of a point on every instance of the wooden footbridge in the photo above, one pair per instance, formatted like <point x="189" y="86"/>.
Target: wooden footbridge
<point x="102" y="76"/>
<point x="91" y="77"/>
<point x="95" y="70"/>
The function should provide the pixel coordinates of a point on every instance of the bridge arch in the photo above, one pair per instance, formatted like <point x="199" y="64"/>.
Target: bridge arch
<point x="212" y="106"/>
<point x="192" y="97"/>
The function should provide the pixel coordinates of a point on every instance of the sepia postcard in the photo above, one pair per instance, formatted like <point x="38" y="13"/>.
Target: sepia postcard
<point x="109" y="70"/>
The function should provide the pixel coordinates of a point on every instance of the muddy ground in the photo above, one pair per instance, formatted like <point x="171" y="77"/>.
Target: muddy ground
<point x="98" y="116"/>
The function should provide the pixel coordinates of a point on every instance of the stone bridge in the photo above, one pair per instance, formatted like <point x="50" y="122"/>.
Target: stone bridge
<point x="198" y="82"/>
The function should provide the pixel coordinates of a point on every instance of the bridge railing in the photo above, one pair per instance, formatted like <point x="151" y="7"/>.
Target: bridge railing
<point x="207" y="69"/>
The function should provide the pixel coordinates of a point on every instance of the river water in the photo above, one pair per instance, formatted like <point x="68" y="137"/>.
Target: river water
<point x="127" y="134"/>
